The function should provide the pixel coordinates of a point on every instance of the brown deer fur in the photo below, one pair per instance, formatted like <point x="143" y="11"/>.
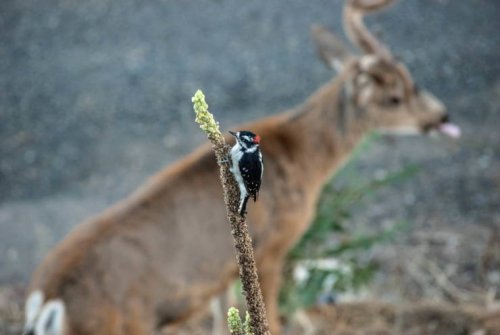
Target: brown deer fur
<point x="160" y="255"/>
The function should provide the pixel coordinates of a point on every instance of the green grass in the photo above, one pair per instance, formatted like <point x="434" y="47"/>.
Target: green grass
<point x="352" y="252"/>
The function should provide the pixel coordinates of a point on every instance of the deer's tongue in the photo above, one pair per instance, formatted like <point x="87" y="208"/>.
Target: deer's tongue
<point x="450" y="129"/>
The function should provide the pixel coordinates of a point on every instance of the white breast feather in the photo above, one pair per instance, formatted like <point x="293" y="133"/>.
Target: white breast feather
<point x="236" y="154"/>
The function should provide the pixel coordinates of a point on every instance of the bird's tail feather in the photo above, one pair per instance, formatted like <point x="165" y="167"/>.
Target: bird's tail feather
<point x="243" y="206"/>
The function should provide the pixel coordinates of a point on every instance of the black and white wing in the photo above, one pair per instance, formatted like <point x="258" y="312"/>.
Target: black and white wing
<point x="251" y="170"/>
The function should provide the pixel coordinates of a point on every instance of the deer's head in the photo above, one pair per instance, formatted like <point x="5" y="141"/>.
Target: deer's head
<point x="377" y="83"/>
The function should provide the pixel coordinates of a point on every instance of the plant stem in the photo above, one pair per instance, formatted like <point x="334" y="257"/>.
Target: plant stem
<point x="239" y="229"/>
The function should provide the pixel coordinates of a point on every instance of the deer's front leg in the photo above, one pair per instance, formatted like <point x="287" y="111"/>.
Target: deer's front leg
<point x="270" y="268"/>
<point x="286" y="232"/>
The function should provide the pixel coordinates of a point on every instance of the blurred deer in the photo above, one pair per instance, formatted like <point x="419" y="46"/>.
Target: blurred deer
<point x="162" y="254"/>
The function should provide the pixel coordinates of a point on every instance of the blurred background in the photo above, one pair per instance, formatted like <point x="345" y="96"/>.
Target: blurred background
<point x="95" y="97"/>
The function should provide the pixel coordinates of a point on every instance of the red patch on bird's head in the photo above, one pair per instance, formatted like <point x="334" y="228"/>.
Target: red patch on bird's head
<point x="256" y="139"/>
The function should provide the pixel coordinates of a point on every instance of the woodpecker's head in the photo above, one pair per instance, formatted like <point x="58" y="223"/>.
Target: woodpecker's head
<point x="246" y="139"/>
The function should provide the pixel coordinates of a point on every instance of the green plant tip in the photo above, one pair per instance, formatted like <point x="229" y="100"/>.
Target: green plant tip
<point x="247" y="327"/>
<point x="234" y="320"/>
<point x="203" y="117"/>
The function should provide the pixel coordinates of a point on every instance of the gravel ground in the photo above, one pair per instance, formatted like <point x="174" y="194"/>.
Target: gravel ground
<point x="95" y="96"/>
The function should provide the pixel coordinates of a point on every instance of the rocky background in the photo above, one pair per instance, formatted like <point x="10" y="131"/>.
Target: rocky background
<point x="95" y="97"/>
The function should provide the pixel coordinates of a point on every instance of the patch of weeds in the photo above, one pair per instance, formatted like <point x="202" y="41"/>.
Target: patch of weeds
<point x="319" y="267"/>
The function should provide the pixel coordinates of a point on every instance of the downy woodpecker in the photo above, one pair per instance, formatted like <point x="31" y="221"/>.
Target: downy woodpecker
<point x="247" y="166"/>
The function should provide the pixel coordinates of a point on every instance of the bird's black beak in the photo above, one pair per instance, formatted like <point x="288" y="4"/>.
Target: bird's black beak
<point x="232" y="133"/>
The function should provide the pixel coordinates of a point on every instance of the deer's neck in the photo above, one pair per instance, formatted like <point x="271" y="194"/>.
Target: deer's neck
<point x="328" y="127"/>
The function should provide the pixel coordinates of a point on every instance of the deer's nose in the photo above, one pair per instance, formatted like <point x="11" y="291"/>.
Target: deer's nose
<point x="445" y="118"/>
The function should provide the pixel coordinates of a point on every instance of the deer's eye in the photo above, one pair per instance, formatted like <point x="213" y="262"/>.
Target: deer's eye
<point x="393" y="101"/>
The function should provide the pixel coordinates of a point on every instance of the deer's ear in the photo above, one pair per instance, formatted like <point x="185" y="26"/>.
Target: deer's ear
<point x="331" y="50"/>
<point x="51" y="319"/>
<point x="33" y="306"/>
